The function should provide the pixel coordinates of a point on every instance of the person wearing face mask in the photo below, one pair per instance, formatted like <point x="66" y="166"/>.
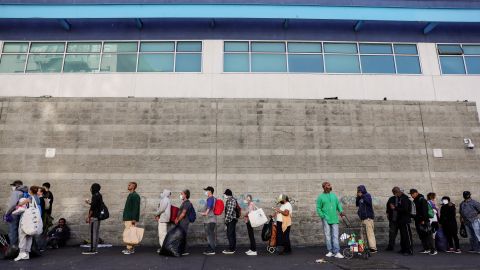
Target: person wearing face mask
<point x="470" y="216"/>
<point x="18" y="191"/>
<point x="230" y="221"/>
<point x="210" y="221"/>
<point x="250" y="208"/>
<point x="182" y="219"/>
<point x="162" y="216"/>
<point x="448" y="221"/>
<point x="284" y="222"/>
<point x="327" y="207"/>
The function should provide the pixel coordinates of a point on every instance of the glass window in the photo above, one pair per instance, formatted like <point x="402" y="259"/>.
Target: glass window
<point x="405" y="48"/>
<point x="304" y="47"/>
<point x="268" y="47"/>
<point x="44" y="63"/>
<point x="189" y="46"/>
<point x="471" y="49"/>
<point x="188" y="62"/>
<point x="15" y="47"/>
<point x="118" y="63"/>
<point x="84" y="47"/>
<point x="157" y="46"/>
<point x="236" y="62"/>
<point x="452" y="65"/>
<point x="341" y="63"/>
<point x="407" y="64"/>
<point x="155" y="62"/>
<point x="305" y="62"/>
<point x="368" y="48"/>
<point x="81" y="63"/>
<point x="450" y="49"/>
<point x="12" y="63"/>
<point x="269" y="63"/>
<point x="236" y="46"/>
<point x="473" y="64"/>
<point x="47" y="47"/>
<point x="340" y="47"/>
<point x="119" y="47"/>
<point x="377" y="64"/>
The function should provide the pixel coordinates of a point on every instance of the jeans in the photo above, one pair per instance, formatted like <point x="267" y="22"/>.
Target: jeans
<point x="13" y="230"/>
<point x="331" y="237"/>
<point x="231" y="235"/>
<point x="251" y="236"/>
<point x="94" y="233"/>
<point x="472" y="236"/>
<point x="476" y="228"/>
<point x="210" y="232"/>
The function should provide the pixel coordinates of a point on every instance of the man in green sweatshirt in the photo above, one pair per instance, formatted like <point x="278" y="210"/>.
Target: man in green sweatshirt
<point x="327" y="208"/>
<point x="131" y="212"/>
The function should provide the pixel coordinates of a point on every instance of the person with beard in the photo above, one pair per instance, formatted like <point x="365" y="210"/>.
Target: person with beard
<point x="284" y="222"/>
<point x="327" y="207"/>
<point x="392" y="216"/>
<point x="403" y="208"/>
<point x="93" y="218"/>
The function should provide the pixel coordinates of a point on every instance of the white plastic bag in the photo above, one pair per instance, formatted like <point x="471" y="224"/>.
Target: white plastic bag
<point x="257" y="218"/>
<point x="31" y="220"/>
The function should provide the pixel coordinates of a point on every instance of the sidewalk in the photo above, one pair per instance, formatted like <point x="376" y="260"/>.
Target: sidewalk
<point x="301" y="259"/>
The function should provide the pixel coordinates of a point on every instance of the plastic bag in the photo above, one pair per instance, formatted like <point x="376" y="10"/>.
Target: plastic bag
<point x="257" y="218"/>
<point x="174" y="243"/>
<point x="463" y="231"/>
<point x="267" y="230"/>
<point x="440" y="240"/>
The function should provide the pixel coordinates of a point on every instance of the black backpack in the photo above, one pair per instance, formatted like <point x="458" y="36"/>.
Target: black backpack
<point x="104" y="214"/>
<point x="238" y="210"/>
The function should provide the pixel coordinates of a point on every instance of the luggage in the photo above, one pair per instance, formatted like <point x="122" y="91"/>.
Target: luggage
<point x="441" y="241"/>
<point x="174" y="243"/>
<point x="257" y="218"/>
<point x="173" y="213"/>
<point x="31" y="220"/>
<point x="133" y="235"/>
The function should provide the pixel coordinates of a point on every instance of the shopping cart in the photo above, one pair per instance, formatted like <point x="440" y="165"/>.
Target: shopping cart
<point x="357" y="244"/>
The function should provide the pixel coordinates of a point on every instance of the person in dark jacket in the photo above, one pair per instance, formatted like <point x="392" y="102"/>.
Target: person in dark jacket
<point x="48" y="198"/>
<point x="392" y="216"/>
<point x="422" y="222"/>
<point x="366" y="215"/>
<point x="131" y="212"/>
<point x="403" y="208"/>
<point x="93" y="218"/>
<point x="470" y="217"/>
<point x="448" y="221"/>
<point x="18" y="191"/>
<point x="58" y="235"/>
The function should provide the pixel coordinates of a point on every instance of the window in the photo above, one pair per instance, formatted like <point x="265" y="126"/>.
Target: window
<point x="320" y="57"/>
<point x="14" y="57"/>
<point x="156" y="56"/>
<point x="82" y="57"/>
<point x="188" y="56"/>
<point x="459" y="58"/>
<point x="45" y="57"/>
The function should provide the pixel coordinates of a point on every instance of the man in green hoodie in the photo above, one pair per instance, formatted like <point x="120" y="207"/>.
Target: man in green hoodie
<point x="327" y="207"/>
<point x="131" y="212"/>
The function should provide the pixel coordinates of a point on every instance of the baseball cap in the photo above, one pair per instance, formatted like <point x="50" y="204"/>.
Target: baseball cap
<point x="209" y="188"/>
<point x="17" y="183"/>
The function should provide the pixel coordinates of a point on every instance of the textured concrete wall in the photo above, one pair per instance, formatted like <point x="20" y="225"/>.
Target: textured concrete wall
<point x="258" y="147"/>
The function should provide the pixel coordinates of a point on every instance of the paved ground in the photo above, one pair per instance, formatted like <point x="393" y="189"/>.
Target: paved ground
<point x="301" y="258"/>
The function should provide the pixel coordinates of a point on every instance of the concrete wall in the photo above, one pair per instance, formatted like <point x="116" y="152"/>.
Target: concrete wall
<point x="253" y="146"/>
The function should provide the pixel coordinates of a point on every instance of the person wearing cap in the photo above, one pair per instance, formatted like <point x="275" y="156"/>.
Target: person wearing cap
<point x="210" y="221"/>
<point x="284" y="223"/>
<point x="422" y="222"/>
<point x="403" y="208"/>
<point x="18" y="191"/>
<point x="470" y="216"/>
<point x="448" y="221"/>
<point x="230" y="221"/>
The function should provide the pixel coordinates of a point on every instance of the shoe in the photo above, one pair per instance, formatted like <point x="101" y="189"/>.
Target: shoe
<point x="458" y="251"/>
<point x="128" y="252"/>
<point x="433" y="253"/>
<point x="185" y="254"/>
<point x="90" y="252"/>
<point x="373" y="250"/>
<point x="158" y="250"/>
<point x="424" y="251"/>
<point x="472" y="251"/>
<point x="329" y="254"/>
<point x="22" y="256"/>
<point x="228" y="252"/>
<point x="209" y="253"/>
<point x="248" y="251"/>
<point x="252" y="253"/>
<point x="450" y="250"/>
<point x="339" y="256"/>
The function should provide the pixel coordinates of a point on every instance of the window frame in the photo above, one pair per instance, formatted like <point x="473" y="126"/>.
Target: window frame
<point x="457" y="55"/>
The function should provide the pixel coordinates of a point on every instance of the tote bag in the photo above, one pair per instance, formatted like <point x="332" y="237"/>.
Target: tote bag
<point x="257" y="218"/>
<point x="31" y="220"/>
<point x="133" y="235"/>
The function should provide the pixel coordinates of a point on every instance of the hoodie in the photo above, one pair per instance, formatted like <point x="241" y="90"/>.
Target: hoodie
<point x="364" y="204"/>
<point x="421" y="205"/>
<point x="15" y="196"/>
<point x="164" y="207"/>
<point x="97" y="200"/>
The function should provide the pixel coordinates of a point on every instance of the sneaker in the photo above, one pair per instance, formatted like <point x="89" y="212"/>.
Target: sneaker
<point x="248" y="251"/>
<point x="128" y="252"/>
<point x="228" y="252"/>
<point x="425" y="251"/>
<point x="90" y="252"/>
<point x="373" y="250"/>
<point x="339" y="256"/>
<point x="158" y="250"/>
<point x="252" y="253"/>
<point x="458" y="251"/>
<point x="209" y="253"/>
<point x="329" y="254"/>
<point x="185" y="254"/>
<point x="22" y="256"/>
<point x="433" y="252"/>
<point x="450" y="250"/>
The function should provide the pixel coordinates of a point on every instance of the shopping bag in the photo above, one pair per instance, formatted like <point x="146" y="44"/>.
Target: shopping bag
<point x="257" y="218"/>
<point x="133" y="235"/>
<point x="31" y="221"/>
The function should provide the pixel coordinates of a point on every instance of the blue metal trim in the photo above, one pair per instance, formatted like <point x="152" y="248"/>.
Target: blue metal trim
<point x="238" y="11"/>
<point x="429" y="27"/>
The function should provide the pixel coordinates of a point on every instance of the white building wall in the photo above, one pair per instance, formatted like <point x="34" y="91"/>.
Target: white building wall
<point x="213" y="83"/>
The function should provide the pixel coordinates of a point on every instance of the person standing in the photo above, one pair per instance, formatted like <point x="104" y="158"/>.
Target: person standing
<point x="18" y="191"/>
<point x="284" y="223"/>
<point x="131" y="212"/>
<point x="24" y="240"/>
<point x="448" y="221"/>
<point x="162" y="216"/>
<point x="327" y="207"/>
<point x="182" y="219"/>
<point x="251" y="236"/>
<point x="470" y="216"/>
<point x="93" y="218"/>
<point x="48" y="198"/>
<point x="433" y="221"/>
<point x="230" y="221"/>
<point x="422" y="223"/>
<point x="392" y="216"/>
<point x="210" y="221"/>
<point x="403" y="209"/>
<point x="365" y="212"/>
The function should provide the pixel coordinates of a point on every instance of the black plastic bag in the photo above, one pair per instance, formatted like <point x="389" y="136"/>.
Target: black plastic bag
<point x="267" y="231"/>
<point x="174" y="243"/>
<point x="11" y="253"/>
<point x="441" y="243"/>
<point x="463" y="231"/>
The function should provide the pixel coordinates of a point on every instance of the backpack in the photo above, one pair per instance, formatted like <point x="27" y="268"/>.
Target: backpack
<point x="238" y="210"/>
<point x="431" y="214"/>
<point x="31" y="220"/>
<point x="104" y="214"/>
<point x="173" y="213"/>
<point x="192" y="216"/>
<point x="218" y="207"/>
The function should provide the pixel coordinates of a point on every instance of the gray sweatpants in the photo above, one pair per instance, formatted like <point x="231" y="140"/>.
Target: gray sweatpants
<point x="94" y="233"/>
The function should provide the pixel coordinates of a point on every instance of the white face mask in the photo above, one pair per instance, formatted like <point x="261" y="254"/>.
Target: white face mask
<point x="225" y="196"/>
<point x="445" y="201"/>
<point x="181" y="197"/>
<point x="13" y="188"/>
<point x="206" y="193"/>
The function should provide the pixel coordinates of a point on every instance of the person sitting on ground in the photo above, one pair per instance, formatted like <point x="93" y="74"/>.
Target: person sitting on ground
<point x="58" y="235"/>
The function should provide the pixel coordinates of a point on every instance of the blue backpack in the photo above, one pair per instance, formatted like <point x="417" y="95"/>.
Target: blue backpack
<point x="192" y="216"/>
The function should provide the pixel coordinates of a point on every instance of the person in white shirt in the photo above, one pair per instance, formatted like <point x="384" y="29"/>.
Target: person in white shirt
<point x="284" y="222"/>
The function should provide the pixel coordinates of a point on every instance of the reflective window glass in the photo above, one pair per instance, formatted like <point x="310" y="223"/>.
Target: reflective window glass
<point x="81" y="63"/>
<point x="236" y="46"/>
<point x="269" y="63"/>
<point x="405" y="48"/>
<point x="188" y="62"/>
<point x="157" y="46"/>
<point x="368" y="48"/>
<point x="473" y="64"/>
<point x="84" y="47"/>
<point x="44" y="63"/>
<point x="268" y="47"/>
<point x="189" y="46"/>
<point x="454" y="49"/>
<point x="305" y="63"/>
<point x="155" y="62"/>
<point x="236" y="62"/>
<point x="471" y="49"/>
<point x="377" y="64"/>
<point x="407" y="64"/>
<point x="340" y="47"/>
<point x="304" y="47"/>
<point x="452" y="65"/>
<point x="341" y="63"/>
<point x="12" y="63"/>
<point x="15" y="47"/>
<point x="118" y="63"/>
<point x="47" y="47"/>
<point x="119" y="47"/>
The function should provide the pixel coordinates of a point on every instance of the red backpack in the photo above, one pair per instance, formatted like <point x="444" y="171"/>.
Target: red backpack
<point x="218" y="207"/>
<point x="173" y="213"/>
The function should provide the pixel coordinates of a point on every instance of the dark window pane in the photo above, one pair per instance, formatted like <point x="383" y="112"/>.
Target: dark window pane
<point x="12" y="63"/>
<point x="188" y="62"/>
<point x="305" y="63"/>
<point x="235" y="62"/>
<point x="44" y="63"/>
<point x="471" y="49"/>
<point x="408" y="65"/>
<point x="15" y="47"/>
<point x="377" y="64"/>
<point x="189" y="46"/>
<point x="157" y="46"/>
<point x="47" y="47"/>
<point x="236" y="46"/>
<point x="269" y="63"/>
<point x="84" y="47"/>
<point x="368" y="48"/>
<point x="155" y="62"/>
<point x="119" y="47"/>
<point x="304" y="47"/>
<point x="450" y="50"/>
<point x="81" y="63"/>
<point x="341" y="63"/>
<point x="340" y="47"/>
<point x="405" y="48"/>
<point x="452" y="65"/>
<point x="268" y="47"/>
<point x="473" y="64"/>
<point x="119" y="63"/>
